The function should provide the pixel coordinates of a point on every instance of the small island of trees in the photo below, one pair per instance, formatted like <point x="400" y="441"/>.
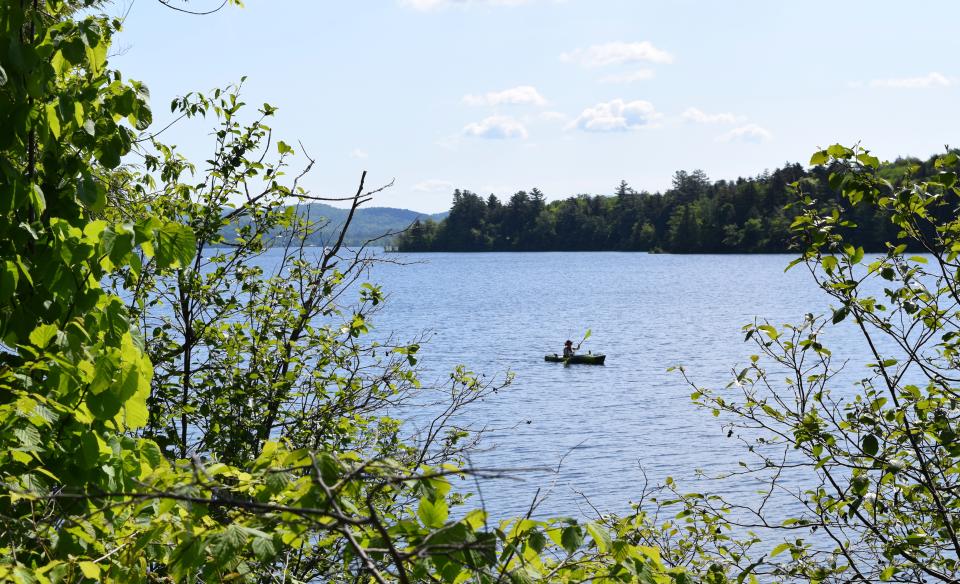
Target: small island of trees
<point x="746" y="215"/>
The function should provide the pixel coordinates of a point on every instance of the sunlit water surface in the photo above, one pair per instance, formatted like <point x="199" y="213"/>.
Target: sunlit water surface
<point x="605" y="428"/>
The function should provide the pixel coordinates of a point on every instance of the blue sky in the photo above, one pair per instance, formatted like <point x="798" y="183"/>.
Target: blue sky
<point x="570" y="96"/>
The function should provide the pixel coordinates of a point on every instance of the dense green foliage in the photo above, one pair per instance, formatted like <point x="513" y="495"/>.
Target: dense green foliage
<point x="748" y="215"/>
<point x="880" y="461"/>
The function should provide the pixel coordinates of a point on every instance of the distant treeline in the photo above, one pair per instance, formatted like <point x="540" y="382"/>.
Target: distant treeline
<point x="748" y="215"/>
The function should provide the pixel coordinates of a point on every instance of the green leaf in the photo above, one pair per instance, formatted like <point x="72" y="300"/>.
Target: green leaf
<point x="600" y="536"/>
<point x="151" y="452"/>
<point x="947" y="179"/>
<point x="571" y="538"/>
<point x="189" y="554"/>
<point x="89" y="449"/>
<point x="867" y="160"/>
<point x="818" y="158"/>
<point x="263" y="548"/>
<point x="856" y="256"/>
<point x="110" y="150"/>
<point x="840" y="314"/>
<point x="135" y="412"/>
<point x="780" y="549"/>
<point x="433" y="514"/>
<point x="839" y="151"/>
<point x="24" y="271"/>
<point x="96" y="57"/>
<point x="42" y="335"/>
<point x="225" y="545"/>
<point x="870" y="445"/>
<point x="37" y="199"/>
<point x="28" y="436"/>
<point x="53" y="120"/>
<point x="91" y="193"/>
<point x="23" y="575"/>
<point x="174" y="246"/>
<point x="90" y="570"/>
<point x="537" y="540"/>
<point x="9" y="278"/>
<point x="770" y="331"/>
<point x="104" y="405"/>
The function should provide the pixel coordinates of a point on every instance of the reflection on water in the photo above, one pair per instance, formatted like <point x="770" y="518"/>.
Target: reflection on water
<point x="502" y="312"/>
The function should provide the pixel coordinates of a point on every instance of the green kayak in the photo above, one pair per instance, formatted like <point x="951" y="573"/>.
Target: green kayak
<point x="588" y="359"/>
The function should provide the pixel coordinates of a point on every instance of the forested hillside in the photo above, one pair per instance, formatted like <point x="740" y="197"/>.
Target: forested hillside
<point x="367" y="224"/>
<point x="696" y="215"/>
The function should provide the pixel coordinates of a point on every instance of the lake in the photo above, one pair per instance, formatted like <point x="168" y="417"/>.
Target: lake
<point x="499" y="312"/>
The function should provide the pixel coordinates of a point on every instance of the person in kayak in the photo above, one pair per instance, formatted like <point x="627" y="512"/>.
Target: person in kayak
<point x="568" y="349"/>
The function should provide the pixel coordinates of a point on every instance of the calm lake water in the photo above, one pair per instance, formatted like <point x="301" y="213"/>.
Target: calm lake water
<point x="499" y="312"/>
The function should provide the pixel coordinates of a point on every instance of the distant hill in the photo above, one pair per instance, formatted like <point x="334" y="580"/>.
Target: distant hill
<point x="368" y="222"/>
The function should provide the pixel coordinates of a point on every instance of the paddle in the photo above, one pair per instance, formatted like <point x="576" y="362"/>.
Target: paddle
<point x="585" y="337"/>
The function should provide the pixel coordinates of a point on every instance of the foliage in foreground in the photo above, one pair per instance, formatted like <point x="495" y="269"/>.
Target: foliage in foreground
<point x="121" y="458"/>
<point x="868" y="474"/>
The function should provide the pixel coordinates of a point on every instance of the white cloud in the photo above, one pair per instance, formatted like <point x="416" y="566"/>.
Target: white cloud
<point x="433" y="186"/>
<point x="699" y="116"/>
<point x="632" y="77"/>
<point x="927" y="81"/>
<point x="358" y="153"/>
<point x="496" y="127"/>
<point x="617" y="116"/>
<point x="428" y="5"/>
<point x="618" y="53"/>
<point x="747" y="133"/>
<point x="521" y="95"/>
